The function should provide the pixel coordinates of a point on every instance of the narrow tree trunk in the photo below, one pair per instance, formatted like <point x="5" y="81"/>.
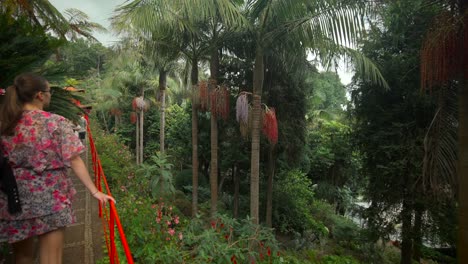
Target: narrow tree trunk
<point x="256" y="115"/>
<point x="137" y="143"/>
<point x="194" y="79"/>
<point x="417" y="232"/>
<point x="462" y="246"/>
<point x="106" y="126"/>
<point x="271" y="175"/>
<point x="162" y="89"/>
<point x="141" y="135"/>
<point x="214" y="159"/>
<point x="406" y="244"/>
<point x="116" y="122"/>
<point x="222" y="178"/>
<point x="236" y="180"/>
<point x="213" y="82"/>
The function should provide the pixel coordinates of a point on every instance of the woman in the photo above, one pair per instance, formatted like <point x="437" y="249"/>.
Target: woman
<point x="40" y="146"/>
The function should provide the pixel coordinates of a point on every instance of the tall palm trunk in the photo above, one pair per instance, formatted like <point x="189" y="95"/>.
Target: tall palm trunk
<point x="142" y="119"/>
<point x="106" y="126"/>
<point x="214" y="66"/>
<point x="417" y="232"/>
<point x="235" y="178"/>
<point x="137" y="143"/>
<point x="194" y="80"/>
<point x="162" y="89"/>
<point x="271" y="174"/>
<point x="407" y="243"/>
<point x="462" y="245"/>
<point x="141" y="135"/>
<point x="256" y="115"/>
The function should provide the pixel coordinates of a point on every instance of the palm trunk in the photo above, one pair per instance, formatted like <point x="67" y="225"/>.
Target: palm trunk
<point x="194" y="79"/>
<point x="137" y="143"/>
<point x="236" y="180"/>
<point x="462" y="245"/>
<point x="222" y="178"/>
<point x="271" y="174"/>
<point x="214" y="66"/>
<point x="417" y="233"/>
<point x="406" y="244"/>
<point x="141" y="135"/>
<point x="116" y="122"/>
<point x="106" y="126"/>
<point x="256" y="115"/>
<point x="162" y="89"/>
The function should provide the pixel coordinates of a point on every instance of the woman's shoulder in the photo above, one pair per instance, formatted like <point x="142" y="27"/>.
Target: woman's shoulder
<point x="52" y="121"/>
<point x="51" y="117"/>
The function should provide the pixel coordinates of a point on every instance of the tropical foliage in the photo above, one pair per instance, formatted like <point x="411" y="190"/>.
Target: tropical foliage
<point x="314" y="172"/>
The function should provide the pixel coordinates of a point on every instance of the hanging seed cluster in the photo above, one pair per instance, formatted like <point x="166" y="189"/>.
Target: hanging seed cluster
<point x="242" y="109"/>
<point x="203" y="95"/>
<point x="439" y="52"/>
<point x="219" y="102"/>
<point x="246" y="128"/>
<point x="133" y="117"/>
<point x="268" y="119"/>
<point x="140" y="104"/>
<point x="270" y="125"/>
<point x="215" y="100"/>
<point x="115" y="112"/>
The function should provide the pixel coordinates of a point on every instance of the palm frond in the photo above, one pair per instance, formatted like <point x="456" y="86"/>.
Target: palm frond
<point x="440" y="145"/>
<point x="365" y="67"/>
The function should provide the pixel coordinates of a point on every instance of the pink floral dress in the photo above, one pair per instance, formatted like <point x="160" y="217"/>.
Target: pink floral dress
<point x="39" y="152"/>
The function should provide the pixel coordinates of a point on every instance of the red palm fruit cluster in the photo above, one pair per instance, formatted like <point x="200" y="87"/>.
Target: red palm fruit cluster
<point x="133" y="117"/>
<point x="439" y="61"/>
<point x="115" y="112"/>
<point x="270" y="126"/>
<point x="203" y="95"/>
<point x="219" y="104"/>
<point x="134" y="104"/>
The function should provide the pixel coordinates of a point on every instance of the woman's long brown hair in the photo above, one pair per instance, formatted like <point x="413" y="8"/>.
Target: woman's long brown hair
<point x="22" y="91"/>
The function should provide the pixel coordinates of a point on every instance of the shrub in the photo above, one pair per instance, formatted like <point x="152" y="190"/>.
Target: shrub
<point x="117" y="161"/>
<point x="332" y="259"/>
<point x="292" y="199"/>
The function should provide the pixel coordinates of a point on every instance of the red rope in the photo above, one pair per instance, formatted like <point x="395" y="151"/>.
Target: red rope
<point x="112" y="216"/>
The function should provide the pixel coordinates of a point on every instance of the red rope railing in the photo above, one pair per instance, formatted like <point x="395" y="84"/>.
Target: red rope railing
<point x="111" y="217"/>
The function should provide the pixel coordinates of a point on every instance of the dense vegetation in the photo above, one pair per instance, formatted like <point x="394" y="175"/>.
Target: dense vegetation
<point x="363" y="173"/>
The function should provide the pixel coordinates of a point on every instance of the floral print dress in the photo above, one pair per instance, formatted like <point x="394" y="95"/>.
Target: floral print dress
<point x="39" y="152"/>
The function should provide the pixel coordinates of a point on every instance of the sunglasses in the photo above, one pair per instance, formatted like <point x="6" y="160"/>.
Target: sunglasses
<point x="49" y="91"/>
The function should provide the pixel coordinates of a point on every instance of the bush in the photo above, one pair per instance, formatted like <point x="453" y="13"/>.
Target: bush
<point x="292" y="199"/>
<point x="116" y="160"/>
<point x="332" y="259"/>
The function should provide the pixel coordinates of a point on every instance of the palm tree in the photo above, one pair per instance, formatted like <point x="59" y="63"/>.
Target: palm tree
<point x="80" y="25"/>
<point x="320" y="26"/>
<point x="125" y="79"/>
<point x="42" y="13"/>
<point x="196" y="40"/>
<point x="220" y="25"/>
<point x="150" y="17"/>
<point x="444" y="62"/>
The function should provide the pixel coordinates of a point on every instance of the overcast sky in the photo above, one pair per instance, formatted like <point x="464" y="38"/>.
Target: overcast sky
<point x="99" y="11"/>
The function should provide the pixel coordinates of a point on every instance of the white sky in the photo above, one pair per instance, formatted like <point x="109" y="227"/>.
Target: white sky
<point x="100" y="11"/>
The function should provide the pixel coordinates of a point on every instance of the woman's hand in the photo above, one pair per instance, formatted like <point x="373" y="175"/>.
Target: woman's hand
<point x="102" y="197"/>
